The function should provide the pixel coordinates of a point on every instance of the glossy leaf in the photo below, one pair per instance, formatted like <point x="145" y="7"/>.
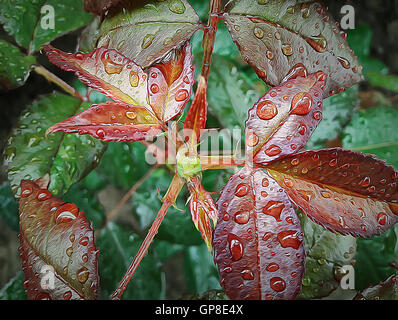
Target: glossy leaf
<point x="363" y="133"/>
<point x="326" y="253"/>
<point x="344" y="191"/>
<point x="14" y="66"/>
<point x="28" y="21"/>
<point x="258" y="242"/>
<point x="195" y="120"/>
<point x="110" y="121"/>
<point x="29" y="154"/>
<point x="282" y="121"/>
<point x="146" y="33"/>
<point x="279" y="39"/>
<point x="56" y="234"/>
<point x="118" y="247"/>
<point x="107" y="71"/>
<point x="170" y="84"/>
<point x="202" y="210"/>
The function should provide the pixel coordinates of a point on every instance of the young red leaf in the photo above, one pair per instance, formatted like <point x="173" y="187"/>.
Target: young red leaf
<point x="56" y="239"/>
<point x="170" y="84"/>
<point x="197" y="113"/>
<point x="344" y="191"/>
<point x="107" y="71"/>
<point x="258" y="242"/>
<point x="280" y="39"/>
<point x="202" y="208"/>
<point x="111" y="121"/>
<point x="282" y="121"/>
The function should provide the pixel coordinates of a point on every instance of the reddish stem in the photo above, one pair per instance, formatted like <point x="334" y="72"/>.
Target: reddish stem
<point x="169" y="199"/>
<point x="210" y="36"/>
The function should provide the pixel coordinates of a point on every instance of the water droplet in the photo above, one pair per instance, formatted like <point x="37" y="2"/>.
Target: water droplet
<point x="147" y="41"/>
<point x="110" y="66"/>
<point x="85" y="257"/>
<point x="365" y="182"/>
<point x="235" y="246"/>
<point x="258" y="32"/>
<point x="242" y="217"/>
<point x="265" y="182"/>
<point x="287" y="50"/>
<point x="247" y="274"/>
<point x="181" y="95"/>
<point x="289" y="238"/>
<point x="134" y="79"/>
<point x="298" y="70"/>
<point x="269" y="55"/>
<point x="301" y="104"/>
<point x="131" y="115"/>
<point x="277" y="284"/>
<point x="251" y="139"/>
<point x="69" y="251"/>
<point x="67" y="295"/>
<point x="44" y="195"/>
<point x="317" y="115"/>
<point x="72" y="237"/>
<point x="325" y="194"/>
<point x="266" y="110"/>
<point x="84" y="241"/>
<point x="100" y="133"/>
<point x="272" y="267"/>
<point x="82" y="274"/>
<point x="274" y="208"/>
<point x="26" y="191"/>
<point x="295" y="162"/>
<point x="382" y="218"/>
<point x="344" y="62"/>
<point x="262" y="1"/>
<point x="273" y="150"/>
<point x="66" y="213"/>
<point x="154" y="88"/>
<point x="242" y="189"/>
<point x="318" y="43"/>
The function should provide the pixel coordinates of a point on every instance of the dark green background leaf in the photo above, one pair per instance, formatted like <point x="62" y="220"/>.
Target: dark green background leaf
<point x="9" y="211"/>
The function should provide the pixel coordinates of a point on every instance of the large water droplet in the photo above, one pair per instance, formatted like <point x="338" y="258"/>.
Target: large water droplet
<point x="235" y="246"/>
<point x="382" y="218"/>
<point x="266" y="110"/>
<point x="241" y="189"/>
<point x="273" y="150"/>
<point x="301" y="104"/>
<point x="66" y="213"/>
<point x="147" y="41"/>
<point x="242" y="217"/>
<point x="44" y="195"/>
<point x="258" y="32"/>
<point x="177" y="6"/>
<point x="272" y="267"/>
<point x="181" y="95"/>
<point x="289" y="238"/>
<point x="274" y="208"/>
<point x="278" y="284"/>
<point x="82" y="274"/>
<point x="134" y="79"/>
<point x="247" y="274"/>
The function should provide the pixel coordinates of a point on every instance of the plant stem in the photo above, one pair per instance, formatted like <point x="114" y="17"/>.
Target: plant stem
<point x="169" y="200"/>
<point x="59" y="82"/>
<point x="209" y="37"/>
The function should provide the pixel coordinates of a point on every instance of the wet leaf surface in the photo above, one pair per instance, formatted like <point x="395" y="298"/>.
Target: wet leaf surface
<point x="31" y="28"/>
<point x="342" y="190"/>
<point x="258" y="242"/>
<point x="30" y="154"/>
<point x="292" y="36"/>
<point x="14" y="66"/>
<point x="385" y="290"/>
<point x="56" y="234"/>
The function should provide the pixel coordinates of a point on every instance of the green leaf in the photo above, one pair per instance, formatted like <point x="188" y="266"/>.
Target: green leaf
<point x="200" y="272"/>
<point x="326" y="252"/>
<point x="146" y="33"/>
<point x="9" y="212"/>
<point x="93" y="181"/>
<point x="88" y="202"/>
<point x="389" y="81"/>
<point x="386" y="290"/>
<point x="14" y="66"/>
<point x="166" y="250"/>
<point x="23" y="20"/>
<point x="123" y="164"/>
<point x="337" y="112"/>
<point x="231" y="95"/>
<point x="118" y="248"/>
<point x="30" y="154"/>
<point x="177" y="227"/>
<point x="14" y="290"/>
<point x="374" y="131"/>
<point x="373" y="257"/>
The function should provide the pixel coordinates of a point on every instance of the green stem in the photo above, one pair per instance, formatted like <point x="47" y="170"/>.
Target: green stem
<point x="59" y="82"/>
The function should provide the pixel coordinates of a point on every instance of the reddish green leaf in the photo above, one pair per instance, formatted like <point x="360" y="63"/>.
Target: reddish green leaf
<point x="202" y="210"/>
<point x="344" y="191"/>
<point x="197" y="113"/>
<point x="258" y="240"/>
<point x="111" y="121"/>
<point x="386" y="290"/>
<point x="170" y="84"/>
<point x="147" y="32"/>
<point x="55" y="235"/>
<point x="279" y="39"/>
<point x="282" y="121"/>
<point x="107" y="71"/>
